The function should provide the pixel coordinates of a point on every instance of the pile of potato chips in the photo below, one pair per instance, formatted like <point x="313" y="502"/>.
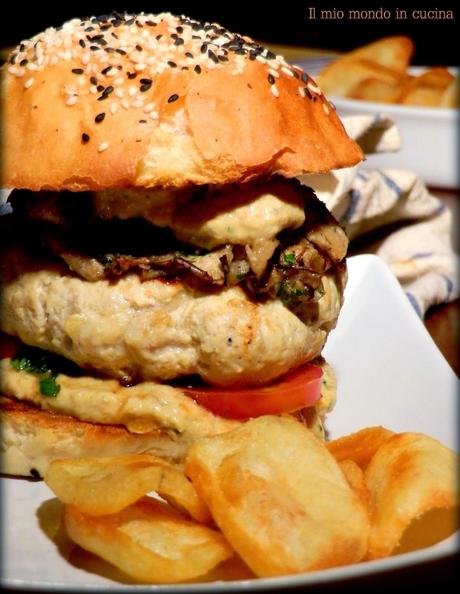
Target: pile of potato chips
<point x="268" y="492"/>
<point x="379" y="72"/>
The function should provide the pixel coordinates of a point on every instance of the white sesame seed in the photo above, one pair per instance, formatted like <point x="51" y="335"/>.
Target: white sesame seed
<point x="31" y="66"/>
<point x="139" y="67"/>
<point x="287" y="71"/>
<point x="261" y="59"/>
<point x="112" y="72"/>
<point x="81" y="81"/>
<point x="85" y="58"/>
<point x="132" y="91"/>
<point x="302" y="92"/>
<point x="314" y="88"/>
<point x="119" y="81"/>
<point x="12" y="69"/>
<point x="153" y="115"/>
<point x="145" y="33"/>
<point x="103" y="146"/>
<point x="149" y="107"/>
<point x="93" y="89"/>
<point x="113" y="108"/>
<point x="273" y="72"/>
<point x="119" y="93"/>
<point x="326" y="109"/>
<point x="72" y="100"/>
<point x="274" y="90"/>
<point x="126" y="104"/>
<point x="29" y="82"/>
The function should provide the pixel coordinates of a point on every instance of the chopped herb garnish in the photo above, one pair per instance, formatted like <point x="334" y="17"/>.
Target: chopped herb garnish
<point x="46" y="366"/>
<point x="289" y="293"/>
<point x="290" y="259"/>
<point x="49" y="387"/>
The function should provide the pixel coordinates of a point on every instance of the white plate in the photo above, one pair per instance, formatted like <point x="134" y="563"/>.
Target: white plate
<point x="429" y="135"/>
<point x="390" y="373"/>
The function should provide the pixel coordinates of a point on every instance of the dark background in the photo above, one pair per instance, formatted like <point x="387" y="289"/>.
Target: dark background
<point x="283" y="22"/>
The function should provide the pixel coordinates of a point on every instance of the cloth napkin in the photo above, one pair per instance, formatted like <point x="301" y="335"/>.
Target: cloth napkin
<point x="417" y="227"/>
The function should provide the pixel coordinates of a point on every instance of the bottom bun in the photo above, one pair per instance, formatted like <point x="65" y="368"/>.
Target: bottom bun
<point x="32" y="438"/>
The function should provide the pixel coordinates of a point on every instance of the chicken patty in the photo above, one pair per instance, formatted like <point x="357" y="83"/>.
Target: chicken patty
<point x="160" y="329"/>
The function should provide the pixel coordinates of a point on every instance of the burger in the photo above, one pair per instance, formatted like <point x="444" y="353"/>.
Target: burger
<point x="164" y="274"/>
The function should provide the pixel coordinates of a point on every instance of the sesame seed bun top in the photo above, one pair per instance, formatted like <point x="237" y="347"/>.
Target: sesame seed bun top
<point x="157" y="100"/>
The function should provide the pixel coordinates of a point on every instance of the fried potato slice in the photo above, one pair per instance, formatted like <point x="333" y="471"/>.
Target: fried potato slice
<point x="279" y="497"/>
<point x="99" y="486"/>
<point x="355" y="478"/>
<point x="359" y="446"/>
<point x="341" y="77"/>
<point x="450" y="96"/>
<point x="393" y="52"/>
<point x="438" y="77"/>
<point x="410" y="477"/>
<point x="373" y="89"/>
<point x="422" y="96"/>
<point x="149" y="542"/>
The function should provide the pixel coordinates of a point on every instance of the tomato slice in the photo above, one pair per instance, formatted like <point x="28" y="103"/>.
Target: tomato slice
<point x="9" y="346"/>
<point x="295" y="390"/>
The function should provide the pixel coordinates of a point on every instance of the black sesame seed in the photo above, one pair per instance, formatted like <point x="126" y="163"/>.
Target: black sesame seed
<point x="252" y="54"/>
<point x="88" y="29"/>
<point x="304" y="77"/>
<point x="102" y="42"/>
<point x="34" y="473"/>
<point x="93" y="80"/>
<point x="22" y="47"/>
<point x="189" y="54"/>
<point x="23" y="62"/>
<point x="197" y="69"/>
<point x="114" y="35"/>
<point x="139" y="24"/>
<point x="146" y="81"/>
<point x="173" y="98"/>
<point x="139" y="48"/>
<point x="151" y="23"/>
<point x="82" y="43"/>
<point x="109" y="50"/>
<point x="222" y="58"/>
<point x="131" y="75"/>
<point x="129" y="22"/>
<point x="142" y="121"/>
<point x="204" y="48"/>
<point x="120" y="51"/>
<point x="307" y="92"/>
<point x="77" y="70"/>
<point x="179" y="41"/>
<point x="213" y="56"/>
<point x="84" y="138"/>
<point x="174" y="35"/>
<point x="240" y="52"/>
<point x="145" y="87"/>
<point x="99" y="118"/>
<point x="180" y="29"/>
<point x="158" y="37"/>
<point x="94" y="48"/>
<point x="100" y="88"/>
<point x="172" y="64"/>
<point x="184" y="68"/>
<point x="105" y="93"/>
<point x="270" y="55"/>
<point x="106" y="70"/>
<point x="271" y="79"/>
<point x="196" y="37"/>
<point x="295" y="73"/>
<point x="12" y="59"/>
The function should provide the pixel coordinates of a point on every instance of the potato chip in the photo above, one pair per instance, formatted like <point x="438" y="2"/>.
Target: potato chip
<point x="99" y="486"/>
<point x="450" y="96"/>
<point x="394" y="53"/>
<point x="279" y="497"/>
<point x="149" y="542"/>
<point x="422" y="96"/>
<point x="373" y="89"/>
<point x="439" y="78"/>
<point x="341" y="77"/>
<point x="359" y="446"/>
<point x="410" y="476"/>
<point x="355" y="478"/>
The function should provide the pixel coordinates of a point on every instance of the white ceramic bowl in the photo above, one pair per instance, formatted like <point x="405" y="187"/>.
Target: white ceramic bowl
<point x="430" y="136"/>
<point x="429" y="139"/>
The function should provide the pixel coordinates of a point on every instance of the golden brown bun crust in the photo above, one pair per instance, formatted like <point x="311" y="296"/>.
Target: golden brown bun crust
<point x="31" y="438"/>
<point x="234" y="117"/>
